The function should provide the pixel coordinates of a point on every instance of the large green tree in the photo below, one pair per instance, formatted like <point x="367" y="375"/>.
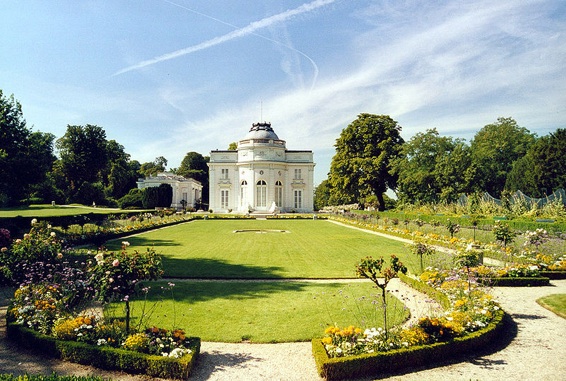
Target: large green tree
<point x="83" y="155"/>
<point x="494" y="150"/>
<point x="153" y="168"/>
<point x="362" y="164"/>
<point x="120" y="174"/>
<point x="322" y="195"/>
<point x="25" y="156"/>
<point x="543" y="169"/>
<point x="432" y="168"/>
<point x="195" y="166"/>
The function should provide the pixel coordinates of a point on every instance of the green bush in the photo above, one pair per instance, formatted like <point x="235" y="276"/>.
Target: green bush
<point x="106" y="357"/>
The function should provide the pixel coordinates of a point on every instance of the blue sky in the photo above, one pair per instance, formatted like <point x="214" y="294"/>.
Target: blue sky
<point x="164" y="78"/>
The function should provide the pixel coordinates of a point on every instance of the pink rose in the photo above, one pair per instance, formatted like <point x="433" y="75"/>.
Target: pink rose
<point x="115" y="263"/>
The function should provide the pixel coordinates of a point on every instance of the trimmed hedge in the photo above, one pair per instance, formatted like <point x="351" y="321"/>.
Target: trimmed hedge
<point x="440" y="297"/>
<point x="106" y="357"/>
<point x="398" y="360"/>
<point x="554" y="274"/>
<point x="516" y="281"/>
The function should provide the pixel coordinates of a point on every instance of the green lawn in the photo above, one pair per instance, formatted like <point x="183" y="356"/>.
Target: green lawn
<point x="307" y="249"/>
<point x="272" y="311"/>
<point x="555" y="303"/>
<point x="47" y="210"/>
<point x="277" y="310"/>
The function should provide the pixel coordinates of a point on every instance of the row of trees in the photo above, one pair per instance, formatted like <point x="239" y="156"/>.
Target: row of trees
<point x="372" y="157"/>
<point x="82" y="166"/>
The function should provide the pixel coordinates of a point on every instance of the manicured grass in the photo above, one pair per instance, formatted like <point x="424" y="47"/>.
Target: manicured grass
<point x="262" y="311"/>
<point x="307" y="249"/>
<point x="555" y="303"/>
<point x="43" y="211"/>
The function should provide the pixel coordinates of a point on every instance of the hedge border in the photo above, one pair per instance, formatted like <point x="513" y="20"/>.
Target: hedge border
<point x="107" y="358"/>
<point x="516" y="281"/>
<point x="553" y="274"/>
<point x="399" y="360"/>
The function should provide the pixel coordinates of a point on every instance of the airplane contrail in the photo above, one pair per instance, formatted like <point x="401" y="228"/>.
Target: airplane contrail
<point x="247" y="30"/>
<point x="314" y="65"/>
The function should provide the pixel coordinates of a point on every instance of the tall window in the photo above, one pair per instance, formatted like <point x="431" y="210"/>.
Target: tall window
<point x="244" y="193"/>
<point x="224" y="174"/>
<point x="278" y="193"/>
<point x="298" y="198"/>
<point x="224" y="198"/>
<point x="261" y="194"/>
<point x="298" y="175"/>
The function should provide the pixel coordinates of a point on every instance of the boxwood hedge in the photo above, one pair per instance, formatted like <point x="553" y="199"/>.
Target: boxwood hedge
<point x="106" y="357"/>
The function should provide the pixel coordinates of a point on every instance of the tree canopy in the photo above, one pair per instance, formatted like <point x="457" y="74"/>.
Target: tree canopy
<point x="362" y="164"/>
<point x="195" y="166"/>
<point x="543" y="168"/>
<point x="433" y="168"/>
<point x="494" y="150"/>
<point x="25" y="156"/>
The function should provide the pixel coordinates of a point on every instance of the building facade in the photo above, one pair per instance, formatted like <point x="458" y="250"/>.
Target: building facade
<point x="189" y="190"/>
<point x="261" y="176"/>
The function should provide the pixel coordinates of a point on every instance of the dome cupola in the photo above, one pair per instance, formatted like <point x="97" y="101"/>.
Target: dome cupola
<point x="261" y="131"/>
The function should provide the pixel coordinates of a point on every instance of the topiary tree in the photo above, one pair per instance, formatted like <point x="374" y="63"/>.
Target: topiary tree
<point x="503" y="233"/>
<point x="421" y="249"/>
<point x="374" y="270"/>
<point x="452" y="227"/>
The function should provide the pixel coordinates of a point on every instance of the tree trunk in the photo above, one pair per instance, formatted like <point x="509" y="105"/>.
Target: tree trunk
<point x="380" y="201"/>
<point x="127" y="316"/>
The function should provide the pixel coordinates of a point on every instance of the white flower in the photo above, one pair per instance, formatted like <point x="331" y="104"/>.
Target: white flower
<point x="125" y="243"/>
<point x="34" y="221"/>
<point x="53" y="234"/>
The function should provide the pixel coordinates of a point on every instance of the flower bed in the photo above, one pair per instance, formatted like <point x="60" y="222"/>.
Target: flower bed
<point x="106" y="357"/>
<point x="457" y="332"/>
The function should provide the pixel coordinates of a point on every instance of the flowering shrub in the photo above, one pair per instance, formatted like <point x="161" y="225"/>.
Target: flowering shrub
<point x="37" y="306"/>
<point x="39" y="245"/>
<point x="158" y="341"/>
<point x="71" y="280"/>
<point x="5" y="238"/>
<point x="80" y="328"/>
<point x="166" y="343"/>
<point x="138" y="342"/>
<point x="118" y="276"/>
<point x="351" y="341"/>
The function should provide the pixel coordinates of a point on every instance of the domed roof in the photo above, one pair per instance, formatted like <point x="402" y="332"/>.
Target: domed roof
<point x="261" y="131"/>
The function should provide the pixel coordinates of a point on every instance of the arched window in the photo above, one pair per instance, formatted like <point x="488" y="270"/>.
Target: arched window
<point x="278" y="193"/>
<point x="261" y="194"/>
<point x="244" y="193"/>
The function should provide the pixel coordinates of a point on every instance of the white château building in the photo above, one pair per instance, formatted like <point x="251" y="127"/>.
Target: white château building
<point x="189" y="190"/>
<point x="261" y="175"/>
